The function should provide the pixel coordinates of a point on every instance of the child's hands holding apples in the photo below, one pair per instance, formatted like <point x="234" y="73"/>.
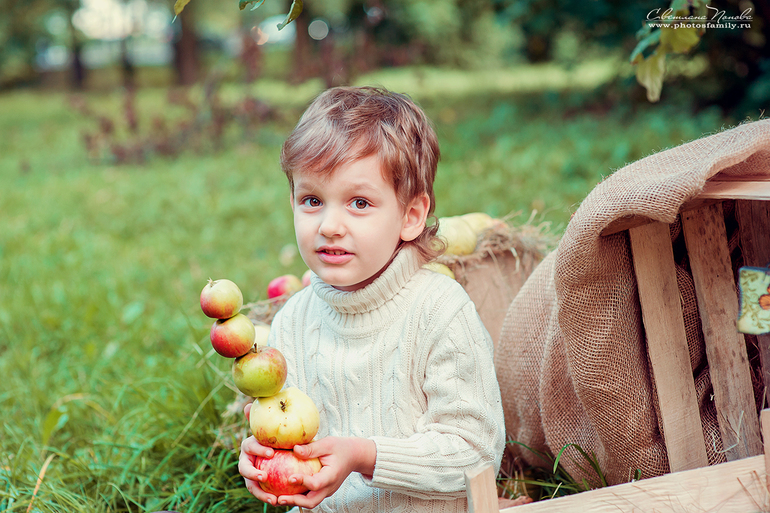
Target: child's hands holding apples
<point x="339" y="457"/>
<point x="250" y="451"/>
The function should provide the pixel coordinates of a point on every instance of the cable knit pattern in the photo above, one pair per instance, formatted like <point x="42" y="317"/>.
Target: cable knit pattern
<point x="406" y="362"/>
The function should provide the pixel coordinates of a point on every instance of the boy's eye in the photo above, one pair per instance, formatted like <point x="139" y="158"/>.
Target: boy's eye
<point x="311" y="202"/>
<point x="360" y="203"/>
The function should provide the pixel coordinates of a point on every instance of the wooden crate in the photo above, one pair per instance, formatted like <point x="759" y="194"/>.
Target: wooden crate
<point x="739" y="485"/>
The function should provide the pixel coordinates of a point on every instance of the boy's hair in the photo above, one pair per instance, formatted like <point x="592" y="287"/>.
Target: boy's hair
<point x="345" y="124"/>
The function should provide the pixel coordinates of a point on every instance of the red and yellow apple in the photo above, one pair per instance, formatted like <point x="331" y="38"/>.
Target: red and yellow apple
<point x="221" y="299"/>
<point x="232" y="337"/>
<point x="284" y="420"/>
<point x="261" y="372"/>
<point x="280" y="467"/>
<point x="283" y="285"/>
<point x="306" y="278"/>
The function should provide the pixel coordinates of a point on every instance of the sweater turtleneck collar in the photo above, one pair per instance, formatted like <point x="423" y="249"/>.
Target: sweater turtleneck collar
<point x="373" y="296"/>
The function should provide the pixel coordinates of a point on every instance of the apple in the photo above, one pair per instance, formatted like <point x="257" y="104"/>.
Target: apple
<point x="458" y="236"/>
<point x="282" y="285"/>
<point x="221" y="299"/>
<point x="233" y="337"/>
<point x="261" y="372"/>
<point x="440" y="268"/>
<point x="480" y="221"/>
<point x="306" y="278"/>
<point x="284" y="420"/>
<point x="261" y="334"/>
<point x="280" y="467"/>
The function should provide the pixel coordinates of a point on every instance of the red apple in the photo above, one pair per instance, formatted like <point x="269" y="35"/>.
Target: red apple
<point x="261" y="372"/>
<point x="286" y="284"/>
<point x="306" y="278"/>
<point x="233" y="337"/>
<point x="284" y="420"/>
<point x="221" y="299"/>
<point x="280" y="467"/>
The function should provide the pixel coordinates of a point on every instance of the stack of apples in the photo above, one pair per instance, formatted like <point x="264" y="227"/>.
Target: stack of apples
<point x="279" y="418"/>
<point x="461" y="234"/>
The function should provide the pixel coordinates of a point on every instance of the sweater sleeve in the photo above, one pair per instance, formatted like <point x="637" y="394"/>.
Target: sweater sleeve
<point x="462" y="426"/>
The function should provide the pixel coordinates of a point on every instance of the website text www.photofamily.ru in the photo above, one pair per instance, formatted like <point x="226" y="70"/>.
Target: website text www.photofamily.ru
<point x="714" y="19"/>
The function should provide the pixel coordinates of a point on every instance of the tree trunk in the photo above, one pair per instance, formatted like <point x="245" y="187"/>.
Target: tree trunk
<point x="302" y="50"/>
<point x="186" y="59"/>
<point x="78" y="69"/>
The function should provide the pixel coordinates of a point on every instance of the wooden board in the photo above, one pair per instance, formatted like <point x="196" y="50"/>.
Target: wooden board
<point x="667" y="346"/>
<point x="754" y="221"/>
<point x="481" y="490"/>
<point x="733" y="487"/>
<point x="706" y="241"/>
<point x="719" y="188"/>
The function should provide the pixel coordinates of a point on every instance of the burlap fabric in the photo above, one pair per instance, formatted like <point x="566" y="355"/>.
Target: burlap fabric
<point x="572" y="361"/>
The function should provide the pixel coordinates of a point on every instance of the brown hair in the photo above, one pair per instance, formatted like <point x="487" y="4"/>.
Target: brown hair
<point x="345" y="124"/>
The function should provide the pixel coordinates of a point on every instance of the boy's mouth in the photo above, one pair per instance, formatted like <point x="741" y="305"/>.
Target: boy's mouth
<point x="333" y="255"/>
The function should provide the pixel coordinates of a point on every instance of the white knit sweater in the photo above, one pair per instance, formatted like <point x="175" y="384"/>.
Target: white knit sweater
<point x="405" y="362"/>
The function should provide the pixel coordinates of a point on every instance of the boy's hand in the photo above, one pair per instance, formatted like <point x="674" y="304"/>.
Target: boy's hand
<point x="250" y="449"/>
<point x="339" y="457"/>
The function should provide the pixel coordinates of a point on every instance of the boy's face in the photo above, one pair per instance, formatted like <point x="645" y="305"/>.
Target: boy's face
<point x="349" y="224"/>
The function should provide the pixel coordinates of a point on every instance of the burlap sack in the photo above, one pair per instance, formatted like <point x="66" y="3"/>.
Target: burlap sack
<point x="572" y="360"/>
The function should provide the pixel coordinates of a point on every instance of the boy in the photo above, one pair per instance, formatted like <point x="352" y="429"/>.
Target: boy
<point x="394" y="356"/>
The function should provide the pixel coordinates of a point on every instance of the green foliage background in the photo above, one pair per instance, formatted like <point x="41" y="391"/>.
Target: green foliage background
<point x="104" y="358"/>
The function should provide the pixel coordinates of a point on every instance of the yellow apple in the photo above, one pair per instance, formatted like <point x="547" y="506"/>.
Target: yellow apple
<point x="284" y="420"/>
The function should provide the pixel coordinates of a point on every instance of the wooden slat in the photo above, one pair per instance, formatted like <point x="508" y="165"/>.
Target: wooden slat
<point x="765" y="423"/>
<point x="706" y="241"/>
<point x="481" y="490"/>
<point x="733" y="487"/>
<point x="737" y="189"/>
<point x="667" y="346"/>
<point x="717" y="189"/>
<point x="754" y="221"/>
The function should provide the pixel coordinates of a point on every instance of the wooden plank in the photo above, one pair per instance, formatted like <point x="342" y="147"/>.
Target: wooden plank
<point x="667" y="346"/>
<point x="733" y="487"/>
<point x="754" y="221"/>
<point x="481" y="490"/>
<point x="765" y="423"/>
<point x="706" y="241"/>
<point x="737" y="189"/>
<point x="747" y="188"/>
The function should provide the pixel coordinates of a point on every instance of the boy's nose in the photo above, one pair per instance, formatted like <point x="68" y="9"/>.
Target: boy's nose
<point x="332" y="226"/>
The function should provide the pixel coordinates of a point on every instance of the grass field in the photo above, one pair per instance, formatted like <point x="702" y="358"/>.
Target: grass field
<point x="111" y="396"/>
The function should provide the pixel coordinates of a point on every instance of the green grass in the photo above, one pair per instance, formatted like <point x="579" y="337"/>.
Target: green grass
<point x="104" y="357"/>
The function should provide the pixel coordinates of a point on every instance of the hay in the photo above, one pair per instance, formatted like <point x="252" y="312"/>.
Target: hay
<point x="505" y="256"/>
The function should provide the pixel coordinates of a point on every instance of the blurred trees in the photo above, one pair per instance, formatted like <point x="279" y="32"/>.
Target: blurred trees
<point x="368" y="34"/>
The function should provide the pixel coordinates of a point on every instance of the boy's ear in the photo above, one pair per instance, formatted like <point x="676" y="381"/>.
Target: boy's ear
<point x="291" y="200"/>
<point x="415" y="216"/>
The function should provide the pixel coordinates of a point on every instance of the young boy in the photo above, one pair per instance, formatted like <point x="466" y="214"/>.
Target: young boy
<point x="394" y="356"/>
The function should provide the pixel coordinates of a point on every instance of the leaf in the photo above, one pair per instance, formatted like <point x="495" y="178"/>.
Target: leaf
<point x="55" y="419"/>
<point x="678" y="40"/>
<point x="179" y="6"/>
<point x="651" y="39"/>
<point x="243" y="3"/>
<point x="296" y="9"/>
<point x="649" y="73"/>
